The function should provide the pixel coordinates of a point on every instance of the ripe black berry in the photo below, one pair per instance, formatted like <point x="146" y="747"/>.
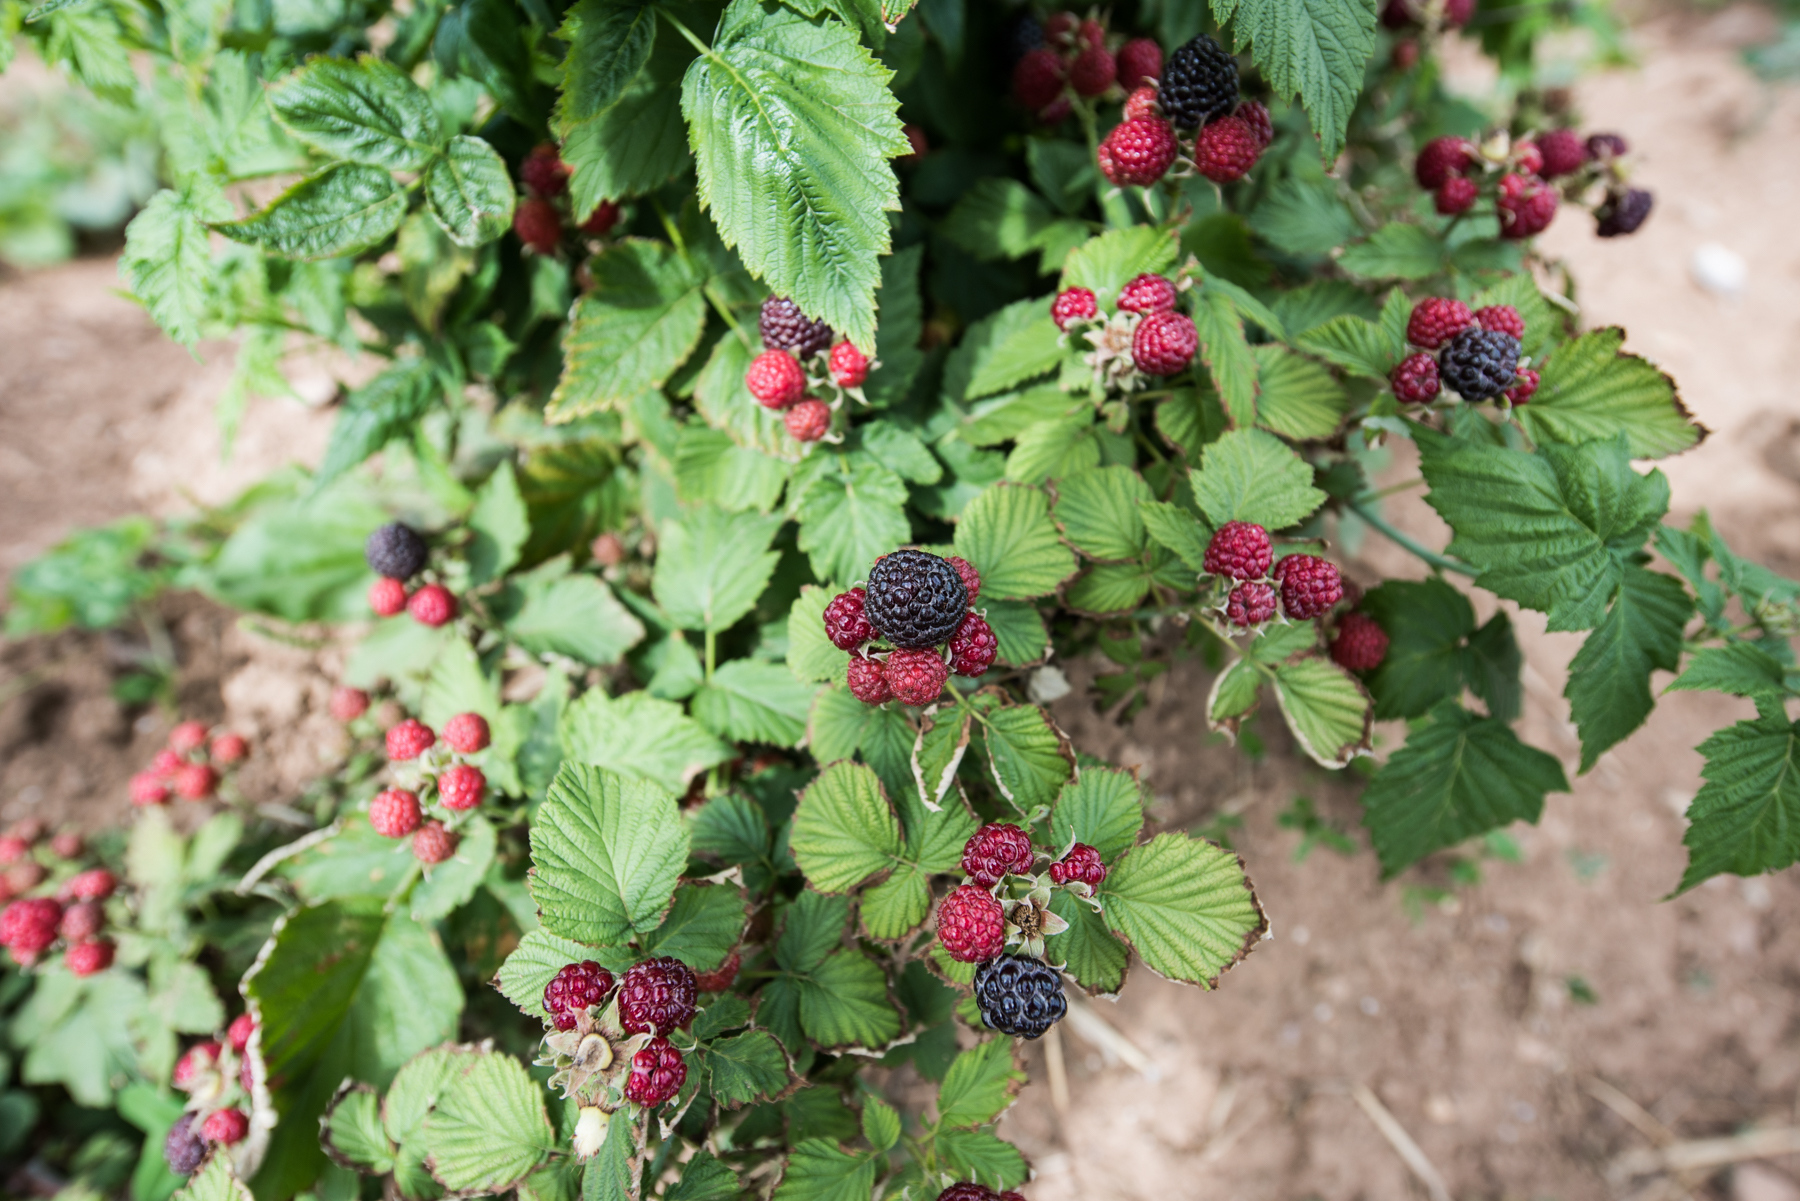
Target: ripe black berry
<point x="915" y="599"/>
<point x="1479" y="364"/>
<point x="1622" y="215"/>
<point x="183" y="1149"/>
<point x="1199" y="82"/>
<point x="785" y="327"/>
<point x="1018" y="996"/>
<point x="396" y="551"/>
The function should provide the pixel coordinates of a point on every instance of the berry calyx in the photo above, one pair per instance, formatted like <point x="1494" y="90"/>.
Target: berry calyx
<point x="1526" y="206"/>
<point x="1164" y="343"/>
<point x="394" y="813"/>
<point x="544" y="172"/>
<point x="1037" y="78"/>
<point x="915" y="599"/>
<point x="1140" y="62"/>
<point x="432" y="606"/>
<point x="1309" y="585"/>
<point x="973" y="647"/>
<point x="239" y="1032"/>
<point x="1239" y="550"/>
<point x="868" y="681"/>
<point x="1456" y="195"/>
<point x="966" y="572"/>
<point x="1479" y="364"/>
<point x="1437" y="319"/>
<point x="1501" y="318"/>
<point x="1072" y="306"/>
<point x="147" y="788"/>
<point x="775" y="379"/>
<point x="1415" y="380"/>
<point x="1525" y="386"/>
<point x="1359" y="644"/>
<point x="1441" y="158"/>
<point x="1250" y="605"/>
<point x="89" y="958"/>
<point x="1019" y="996"/>
<point x="396" y="551"/>
<point x="849" y="366"/>
<point x="538" y="225"/>
<point x="226" y="1126"/>
<point x="657" y="1073"/>
<point x="916" y="676"/>
<point x="576" y="987"/>
<point x="784" y="327"/>
<point x="995" y="851"/>
<point x="657" y="996"/>
<point x="195" y="781"/>
<point x="467" y="733"/>
<point x="433" y="844"/>
<point x="971" y="924"/>
<point x="1081" y="865"/>
<point x="1225" y="150"/>
<point x="1147" y="293"/>
<point x="1562" y="151"/>
<point x="846" y="624"/>
<point x="808" y="420"/>
<point x="1139" y="151"/>
<point x="387" y="597"/>
<point x="348" y="704"/>
<point x="461" y="787"/>
<point x="1199" y="83"/>
<point x="408" y="740"/>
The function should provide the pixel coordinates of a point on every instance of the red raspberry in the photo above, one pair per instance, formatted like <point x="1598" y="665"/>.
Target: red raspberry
<point x="971" y="924"/>
<point x="187" y="736"/>
<point x="1563" y="151"/>
<point x="1037" y="79"/>
<point x="1528" y="159"/>
<point x="1441" y="158"/>
<point x="408" y="740"/>
<point x="849" y="366"/>
<point x="1239" y="550"/>
<point x="1502" y="318"/>
<point x="543" y="171"/>
<point x="461" y="787"/>
<point x="28" y="927"/>
<point x="576" y="987"/>
<point x="1140" y="63"/>
<point x="1082" y="865"/>
<point x="1090" y="33"/>
<point x="1309" y="585"/>
<point x="1142" y="103"/>
<point x="433" y="844"/>
<point x="846" y="624"/>
<point x="198" y="1060"/>
<point x="87" y="958"/>
<point x="775" y="379"/>
<point x="348" y="704"/>
<point x="868" y="681"/>
<point x="13" y="848"/>
<point x="1164" y="343"/>
<point x="1604" y="146"/>
<point x="1405" y="55"/>
<point x="721" y="977"/>
<point x="656" y="996"/>
<point x="239" y="1032"/>
<point x="164" y="763"/>
<point x="1524" y="386"/>
<point x="1072" y="305"/>
<point x="387" y="597"/>
<point x="1526" y="206"/>
<point x="229" y="748"/>
<point x="195" y="781"/>
<point x="1250" y="604"/>
<point x="601" y="220"/>
<point x="916" y="676"/>
<point x="95" y="884"/>
<point x="970" y="1191"/>
<point x="657" y="1073"/>
<point x="394" y="812"/>
<point x="81" y="922"/>
<point x="432" y="606"/>
<point x="1415" y="380"/>
<point x="1093" y="71"/>
<point x="23" y="877"/>
<point x="67" y="845"/>
<point x="1458" y="12"/>
<point x="1226" y="149"/>
<point x="1139" y="151"/>
<point x="467" y="733"/>
<point x="808" y="421"/>
<point x="608" y="549"/>
<point x="1397" y="14"/>
<point x="1147" y="294"/>
<point x="226" y="1126"/>
<point x="996" y="851"/>
<point x="1359" y="644"/>
<point x="1255" y="114"/>
<point x="1435" y="320"/>
<point x="971" y="578"/>
<point x="30" y="829"/>
<point x="1061" y="28"/>
<point x="1457" y="195"/>
<point x="973" y="646"/>
<point x="538" y="225"/>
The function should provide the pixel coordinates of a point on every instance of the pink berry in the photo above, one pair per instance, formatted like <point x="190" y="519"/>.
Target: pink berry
<point x="1147" y="294"/>
<point x="394" y="813"/>
<point x="1072" y="306"/>
<point x="387" y="597"/>
<point x="849" y="366"/>
<point x="466" y="733"/>
<point x="775" y="379"/>
<point x="408" y="740"/>
<point x="1164" y="343"/>
<point x="461" y="787"/>
<point x="348" y="704"/>
<point x="808" y="420"/>
<point x="432" y="606"/>
<point x="229" y="748"/>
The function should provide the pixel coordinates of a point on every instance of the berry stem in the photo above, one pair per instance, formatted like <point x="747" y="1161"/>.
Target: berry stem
<point x="710" y="649"/>
<point x="1391" y="489"/>
<point x="1360" y="507"/>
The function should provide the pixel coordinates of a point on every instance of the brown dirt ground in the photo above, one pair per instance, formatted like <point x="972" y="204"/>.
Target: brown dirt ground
<point x="1460" y="1019"/>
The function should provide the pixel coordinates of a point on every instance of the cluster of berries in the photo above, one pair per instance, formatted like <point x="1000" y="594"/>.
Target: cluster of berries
<point x="922" y="606"/>
<point x="1191" y="117"/>
<point x="654" y="999"/>
<point x="187" y="767"/>
<point x="1066" y="57"/>
<point x="969" y="1190"/>
<point x="1525" y="200"/>
<point x="538" y="219"/>
<point x="1477" y="354"/>
<point x="779" y="379"/>
<point x="1305" y="585"/>
<point x="216" y="1075"/>
<point x="1147" y="337"/>
<point x="396" y="552"/>
<point x="75" y="912"/>
<point x="459" y="786"/>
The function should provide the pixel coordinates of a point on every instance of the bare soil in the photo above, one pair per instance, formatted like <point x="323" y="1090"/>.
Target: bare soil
<point x="1485" y="1021"/>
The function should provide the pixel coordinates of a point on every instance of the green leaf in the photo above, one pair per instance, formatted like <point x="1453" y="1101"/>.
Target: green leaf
<point x="1020" y="632"/>
<point x="1006" y="532"/>
<point x="982" y="1155"/>
<point x="345" y="208"/>
<point x="1358" y="346"/>
<point x="1326" y="709"/>
<point x="749" y="700"/>
<point x="1003" y="219"/>
<point x="1609" y="678"/>
<point x="1397" y="250"/>
<point x="614" y="1173"/>
<point x="469" y="192"/>
<point x="746" y="1067"/>
<point x="880" y="1124"/>
<point x="1087" y="949"/>
<point x="817" y="1171"/>
<point x="942" y="743"/>
<point x="712" y="468"/>
<point x="637" y="142"/>
<point x="299" y="560"/>
<point x="844" y="832"/>
<point x="1458" y="775"/>
<point x="215" y="1181"/>
<point x="1746" y="817"/>
<point x="1106" y="263"/>
<point x="1313" y="49"/>
<point x="1426" y="622"/>
<point x="352" y="1133"/>
<point x="1296" y="397"/>
<point x="1248" y="475"/>
<point x="1227" y="355"/>
<point x="535" y="962"/>
<point x="1590" y="389"/>
<point x="837" y="723"/>
<point x="167" y="263"/>
<point x="981" y="1083"/>
<point x="1108" y="588"/>
<point x="703" y="925"/>
<point x="704" y="1178"/>
<point x="1737" y="669"/>
<point x="902" y="322"/>
<point x="1178" y="530"/>
<point x="814" y="928"/>
<point x="902" y="451"/>
<point x="792" y="123"/>
<point x="1492" y="665"/>
<point x="630" y="332"/>
<point x="498" y="526"/>
<point x="1304" y="217"/>
<point x="1191" y="418"/>
<point x="851" y="512"/>
<point x="367" y="111"/>
<point x="448" y="886"/>
<point x="488" y="1130"/>
<point x="844" y="1003"/>
<point x="934" y="844"/>
<point x="1018" y="343"/>
<point x="1548" y="529"/>
<point x="1185" y="907"/>
<point x="1104" y="809"/>
<point x="574" y="615"/>
<point x="1545" y="323"/>
<point x="711" y="566"/>
<point x="609" y="43"/>
<point x="811" y="655"/>
<point x="1027" y="755"/>
<point x="385" y="408"/>
<point x="606" y="853"/>
<point x="1098" y="512"/>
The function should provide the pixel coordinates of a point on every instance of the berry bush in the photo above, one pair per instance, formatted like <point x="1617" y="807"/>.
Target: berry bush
<point x="771" y="396"/>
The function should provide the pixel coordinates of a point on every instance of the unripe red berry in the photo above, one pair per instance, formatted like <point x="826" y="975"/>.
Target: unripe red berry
<point x="461" y="787"/>
<point x="195" y="781"/>
<point x="1359" y="644"/>
<point x="187" y="736"/>
<point x="1250" y="604"/>
<point x="849" y="366"/>
<point x="1093" y="71"/>
<point x="1563" y="151"/>
<point x="387" y="597"/>
<point x="657" y="1073"/>
<point x="1528" y="159"/>
<point x="1240" y="550"/>
<point x="1164" y="343"/>
<point x="657" y="996"/>
<point x="1139" y="151"/>
<point x="1441" y="158"/>
<point x="916" y="676"/>
<point x="1526" y="206"/>
<point x="1502" y="318"/>
<point x="147" y="788"/>
<point x="966" y="572"/>
<point x="89" y="958"/>
<point x="1437" y="319"/>
<point x="1524" y="388"/>
<point x="775" y="379"/>
<point x="239" y="1032"/>
<point x="81" y="921"/>
<point x="226" y="1127"/>
<point x="538" y="225"/>
<point x="1255" y="114"/>
<point x="467" y="733"/>
<point x="807" y="420"/>
<point x="1037" y="78"/>
<point x="394" y="813"/>
<point x="1081" y="865"/>
<point x="971" y="924"/>
<point x="13" y="848"/>
<point x="408" y="740"/>
<point x="601" y="221"/>
<point x="229" y="748"/>
<point x="432" y="606"/>
<point x="1140" y="62"/>
<point x="164" y="763"/>
<point x="1147" y="293"/>
<point x="846" y="624"/>
<point x="1457" y="195"/>
<point x="1142" y="103"/>
<point x="1309" y="585"/>
<point x="543" y="171"/>
<point x="1415" y="379"/>
<point x="868" y="680"/>
<point x="95" y="884"/>
<point x="67" y="845"/>
<point x="433" y="844"/>
<point x="1073" y="305"/>
<point x="194" y="1062"/>
<point x="576" y="987"/>
<point x="973" y="647"/>
<point x="995" y="851"/>
<point x="1225" y="150"/>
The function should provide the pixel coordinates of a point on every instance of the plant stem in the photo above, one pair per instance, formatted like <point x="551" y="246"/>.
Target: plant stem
<point x="1393" y="488"/>
<point x="685" y="32"/>
<point x="710" y="636"/>
<point x="1407" y="542"/>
